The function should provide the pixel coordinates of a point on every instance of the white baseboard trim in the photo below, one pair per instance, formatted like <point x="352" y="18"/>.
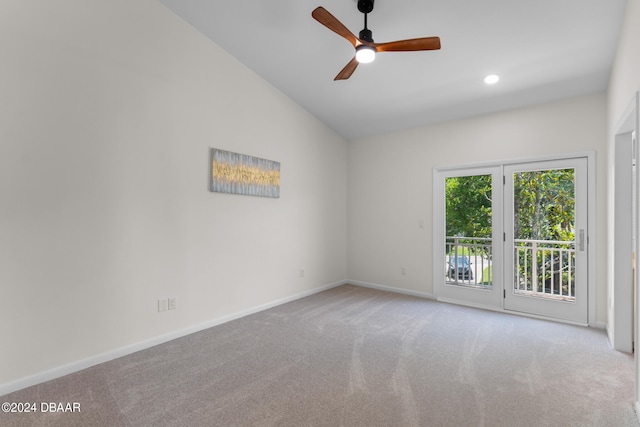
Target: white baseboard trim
<point x="609" y="335"/>
<point x="600" y="325"/>
<point x="79" y="365"/>
<point x="390" y="289"/>
<point x="611" y="339"/>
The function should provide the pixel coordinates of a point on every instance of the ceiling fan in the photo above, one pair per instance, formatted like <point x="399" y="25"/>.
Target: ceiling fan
<point x="366" y="49"/>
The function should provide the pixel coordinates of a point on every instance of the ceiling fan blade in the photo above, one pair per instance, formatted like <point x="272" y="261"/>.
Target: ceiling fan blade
<point x="423" y="43"/>
<point x="321" y="15"/>
<point x="347" y="70"/>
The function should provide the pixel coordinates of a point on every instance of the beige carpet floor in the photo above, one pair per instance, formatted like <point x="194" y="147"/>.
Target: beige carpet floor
<point x="352" y="356"/>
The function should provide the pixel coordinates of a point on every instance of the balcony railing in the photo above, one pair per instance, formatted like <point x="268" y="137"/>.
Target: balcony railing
<point x="545" y="268"/>
<point x="542" y="268"/>
<point x="468" y="261"/>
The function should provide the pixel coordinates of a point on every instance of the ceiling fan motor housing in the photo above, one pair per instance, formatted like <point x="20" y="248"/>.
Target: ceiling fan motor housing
<point x="366" y="35"/>
<point x="365" y="6"/>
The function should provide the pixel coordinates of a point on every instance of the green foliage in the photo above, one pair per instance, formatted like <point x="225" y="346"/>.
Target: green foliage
<point x="487" y="274"/>
<point x="468" y="203"/>
<point x="544" y="205"/>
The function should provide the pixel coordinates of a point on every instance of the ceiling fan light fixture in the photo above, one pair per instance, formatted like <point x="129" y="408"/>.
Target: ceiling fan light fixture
<point x="492" y="79"/>
<point x="365" y="54"/>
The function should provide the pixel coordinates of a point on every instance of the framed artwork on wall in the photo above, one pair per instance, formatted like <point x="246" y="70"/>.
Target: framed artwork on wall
<point x="237" y="173"/>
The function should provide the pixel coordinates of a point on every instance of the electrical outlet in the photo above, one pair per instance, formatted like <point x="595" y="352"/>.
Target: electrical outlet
<point x="301" y="272"/>
<point x="172" y="303"/>
<point x="162" y="304"/>
<point x="403" y="271"/>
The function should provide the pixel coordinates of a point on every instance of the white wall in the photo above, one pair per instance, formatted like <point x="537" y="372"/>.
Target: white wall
<point x="625" y="73"/>
<point x="390" y="183"/>
<point x="107" y="113"/>
<point x="624" y="83"/>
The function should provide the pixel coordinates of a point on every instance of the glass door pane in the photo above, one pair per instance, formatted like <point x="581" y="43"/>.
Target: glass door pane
<point x="544" y="232"/>
<point x="468" y="241"/>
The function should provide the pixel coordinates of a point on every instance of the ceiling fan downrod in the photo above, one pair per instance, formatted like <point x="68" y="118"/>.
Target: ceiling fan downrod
<point x="365" y="6"/>
<point x="365" y="33"/>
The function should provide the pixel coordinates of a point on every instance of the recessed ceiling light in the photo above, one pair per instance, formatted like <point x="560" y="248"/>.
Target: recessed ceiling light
<point x="492" y="79"/>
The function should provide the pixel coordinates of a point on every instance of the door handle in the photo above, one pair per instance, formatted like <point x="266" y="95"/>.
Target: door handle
<point x="581" y="240"/>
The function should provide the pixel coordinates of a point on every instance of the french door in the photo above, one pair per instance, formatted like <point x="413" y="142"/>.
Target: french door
<point x="514" y="237"/>
<point x="468" y="217"/>
<point x="546" y="239"/>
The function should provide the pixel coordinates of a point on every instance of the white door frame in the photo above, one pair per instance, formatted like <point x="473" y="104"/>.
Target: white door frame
<point x="621" y="302"/>
<point x="438" y="227"/>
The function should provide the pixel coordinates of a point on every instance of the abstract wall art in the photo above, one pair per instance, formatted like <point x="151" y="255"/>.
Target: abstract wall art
<point x="241" y="174"/>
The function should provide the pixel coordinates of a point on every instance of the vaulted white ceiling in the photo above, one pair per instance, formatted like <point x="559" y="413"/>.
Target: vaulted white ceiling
<point x="543" y="50"/>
